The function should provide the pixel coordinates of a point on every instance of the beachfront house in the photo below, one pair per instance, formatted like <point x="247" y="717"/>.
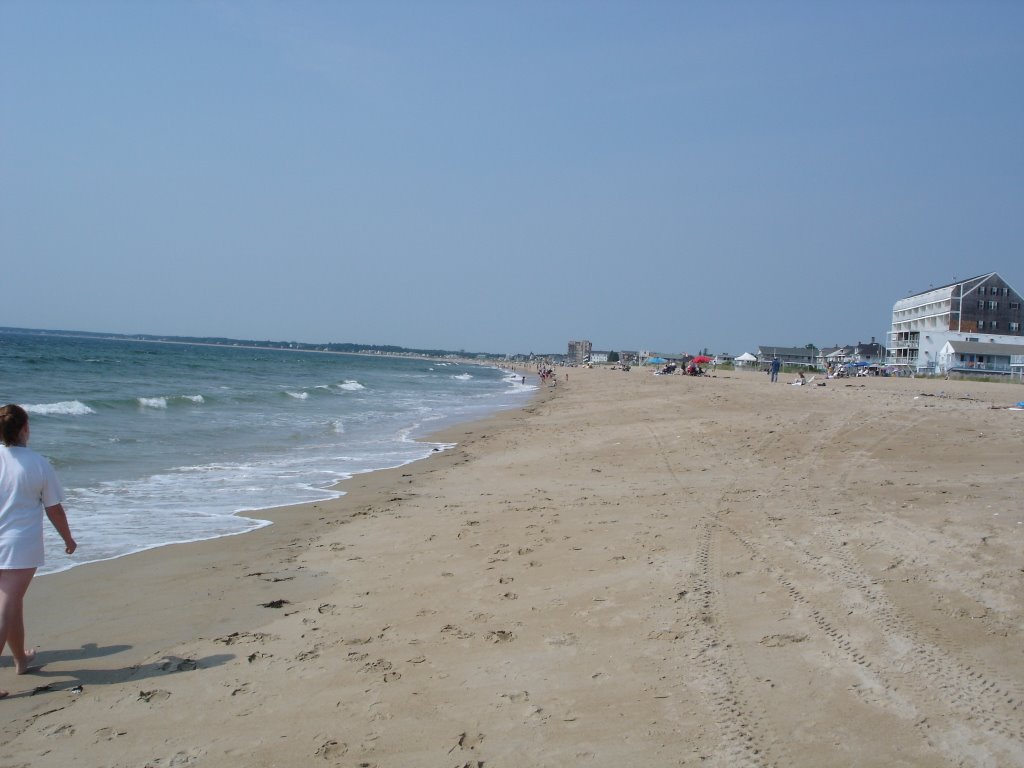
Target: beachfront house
<point x="832" y="356"/>
<point x="980" y="310"/>
<point x="861" y="353"/>
<point x="800" y="357"/>
<point x="870" y="353"/>
<point x="981" y="357"/>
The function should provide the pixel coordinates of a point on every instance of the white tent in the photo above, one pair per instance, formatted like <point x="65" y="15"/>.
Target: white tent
<point x="745" y="359"/>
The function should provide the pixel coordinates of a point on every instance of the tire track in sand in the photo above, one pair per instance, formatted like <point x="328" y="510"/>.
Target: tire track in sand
<point x="743" y="738"/>
<point x="906" y="672"/>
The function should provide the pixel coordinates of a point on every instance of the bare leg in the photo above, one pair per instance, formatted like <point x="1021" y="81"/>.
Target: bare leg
<point x="13" y="586"/>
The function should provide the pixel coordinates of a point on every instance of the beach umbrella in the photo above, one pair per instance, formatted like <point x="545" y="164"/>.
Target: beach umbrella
<point x="701" y="359"/>
<point x="655" y="360"/>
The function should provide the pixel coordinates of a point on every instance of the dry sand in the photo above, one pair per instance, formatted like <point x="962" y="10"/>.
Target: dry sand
<point x="634" y="570"/>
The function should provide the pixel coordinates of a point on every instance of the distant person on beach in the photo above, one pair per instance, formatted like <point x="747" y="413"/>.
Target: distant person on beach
<point x="28" y="488"/>
<point x="776" y="364"/>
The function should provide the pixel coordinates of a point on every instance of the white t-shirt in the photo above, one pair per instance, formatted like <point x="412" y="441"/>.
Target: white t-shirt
<point x="28" y="485"/>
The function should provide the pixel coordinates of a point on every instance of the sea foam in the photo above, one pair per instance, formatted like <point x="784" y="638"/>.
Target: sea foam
<point x="65" y="408"/>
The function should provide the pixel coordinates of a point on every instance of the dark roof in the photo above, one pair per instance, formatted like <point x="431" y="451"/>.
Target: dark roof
<point x="961" y="282"/>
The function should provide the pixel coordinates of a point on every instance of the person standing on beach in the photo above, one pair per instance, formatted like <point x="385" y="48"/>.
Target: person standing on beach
<point x="776" y="364"/>
<point x="28" y="488"/>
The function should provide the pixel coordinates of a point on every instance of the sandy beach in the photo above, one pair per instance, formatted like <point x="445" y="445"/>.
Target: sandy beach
<point x="633" y="570"/>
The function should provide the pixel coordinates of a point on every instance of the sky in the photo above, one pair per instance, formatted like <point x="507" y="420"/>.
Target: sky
<point x="505" y="176"/>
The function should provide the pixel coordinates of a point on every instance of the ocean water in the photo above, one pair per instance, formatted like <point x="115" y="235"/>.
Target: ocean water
<point x="159" y="443"/>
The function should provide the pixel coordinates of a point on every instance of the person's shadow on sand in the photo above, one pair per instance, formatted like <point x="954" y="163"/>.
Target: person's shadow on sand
<point x="80" y="678"/>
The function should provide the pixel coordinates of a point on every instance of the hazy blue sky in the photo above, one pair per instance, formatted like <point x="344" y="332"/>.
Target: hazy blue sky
<point x="505" y="176"/>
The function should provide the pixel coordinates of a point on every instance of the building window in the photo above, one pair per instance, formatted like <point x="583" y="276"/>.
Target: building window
<point x="1015" y="305"/>
<point x="993" y="305"/>
<point x="981" y="304"/>
<point x="1015" y="327"/>
<point x="994" y="325"/>
<point x="981" y="291"/>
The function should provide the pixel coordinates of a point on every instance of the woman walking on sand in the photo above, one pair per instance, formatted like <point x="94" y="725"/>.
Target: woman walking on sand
<point x="28" y="487"/>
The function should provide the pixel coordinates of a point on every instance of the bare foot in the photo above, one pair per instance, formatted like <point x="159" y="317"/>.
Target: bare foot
<point x="22" y="665"/>
<point x="4" y="694"/>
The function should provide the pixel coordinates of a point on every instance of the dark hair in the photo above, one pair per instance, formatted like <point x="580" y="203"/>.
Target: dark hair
<point x="12" y="420"/>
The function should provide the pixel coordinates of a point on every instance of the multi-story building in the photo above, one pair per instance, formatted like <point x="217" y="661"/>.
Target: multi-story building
<point x="982" y="309"/>
<point x="579" y="352"/>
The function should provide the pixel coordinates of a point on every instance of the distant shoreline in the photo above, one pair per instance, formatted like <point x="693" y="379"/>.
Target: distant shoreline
<point x="248" y="344"/>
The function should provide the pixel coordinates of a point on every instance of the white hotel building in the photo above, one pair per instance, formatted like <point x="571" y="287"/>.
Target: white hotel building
<point x="970" y="326"/>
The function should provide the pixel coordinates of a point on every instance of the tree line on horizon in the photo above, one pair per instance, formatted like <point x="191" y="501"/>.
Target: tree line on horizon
<point x="349" y="347"/>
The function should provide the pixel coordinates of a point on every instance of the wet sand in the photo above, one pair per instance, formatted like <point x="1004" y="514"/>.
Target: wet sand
<point x="632" y="570"/>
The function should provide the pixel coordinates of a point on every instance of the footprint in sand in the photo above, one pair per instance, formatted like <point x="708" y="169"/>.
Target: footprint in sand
<point x="108" y="734"/>
<point x="58" y="729"/>
<point x="777" y="641"/>
<point x="178" y="665"/>
<point x="500" y="636"/>
<point x="566" y="639"/>
<point x="454" y="631"/>
<point x="180" y="758"/>
<point x="244" y="637"/>
<point x="468" y="741"/>
<point x="380" y="665"/>
<point x="157" y="695"/>
<point x="331" y="749"/>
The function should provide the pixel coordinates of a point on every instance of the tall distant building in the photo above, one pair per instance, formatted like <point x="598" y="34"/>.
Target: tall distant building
<point x="579" y="351"/>
<point x="975" y="323"/>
